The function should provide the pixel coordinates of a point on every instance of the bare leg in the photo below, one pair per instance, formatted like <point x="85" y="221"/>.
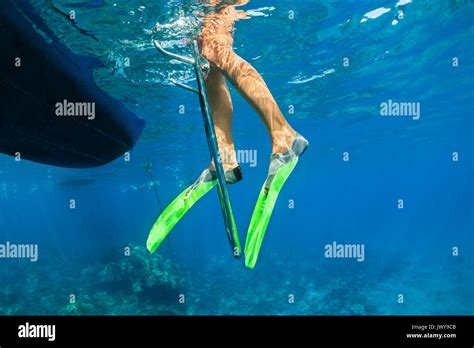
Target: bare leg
<point x="252" y="87"/>
<point x="221" y="107"/>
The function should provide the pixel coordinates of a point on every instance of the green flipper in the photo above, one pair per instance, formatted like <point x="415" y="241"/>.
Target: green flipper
<point x="263" y="212"/>
<point x="175" y="211"/>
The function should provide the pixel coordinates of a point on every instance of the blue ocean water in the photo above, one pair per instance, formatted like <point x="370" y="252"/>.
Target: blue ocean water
<point x="330" y="65"/>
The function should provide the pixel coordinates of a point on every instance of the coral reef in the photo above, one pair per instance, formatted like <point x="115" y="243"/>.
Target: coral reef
<point x="144" y="284"/>
<point x="136" y="284"/>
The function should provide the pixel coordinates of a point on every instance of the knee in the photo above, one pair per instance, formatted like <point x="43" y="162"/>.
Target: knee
<point x="219" y="57"/>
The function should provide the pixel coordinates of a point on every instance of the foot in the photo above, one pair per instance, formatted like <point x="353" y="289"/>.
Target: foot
<point x="283" y="139"/>
<point x="232" y="170"/>
<point x="278" y="160"/>
<point x="233" y="173"/>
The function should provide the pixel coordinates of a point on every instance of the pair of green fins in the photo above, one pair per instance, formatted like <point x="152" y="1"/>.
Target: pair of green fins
<point x="281" y="166"/>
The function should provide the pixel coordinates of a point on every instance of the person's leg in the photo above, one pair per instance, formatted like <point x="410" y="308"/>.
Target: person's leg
<point x="221" y="107"/>
<point x="253" y="88"/>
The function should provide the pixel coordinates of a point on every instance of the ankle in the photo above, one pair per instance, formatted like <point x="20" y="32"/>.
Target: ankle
<point x="228" y="156"/>
<point x="282" y="140"/>
<point x="226" y="165"/>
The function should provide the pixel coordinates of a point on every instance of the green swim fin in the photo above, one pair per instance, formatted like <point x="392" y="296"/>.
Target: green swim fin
<point x="263" y="211"/>
<point x="176" y="210"/>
